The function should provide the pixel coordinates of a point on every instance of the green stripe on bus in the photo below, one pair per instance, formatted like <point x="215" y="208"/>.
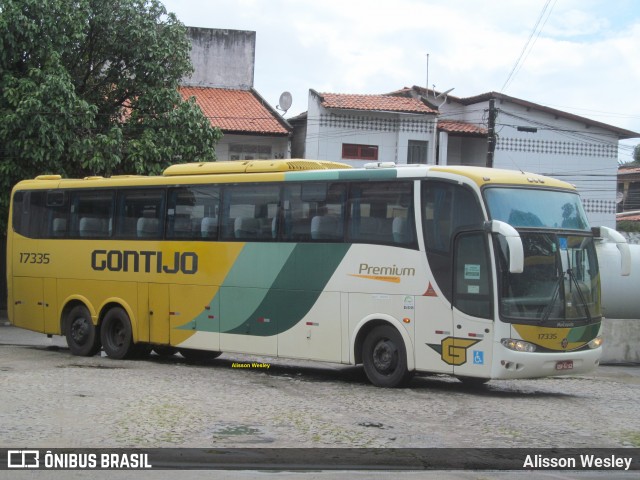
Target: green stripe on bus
<point x="297" y="287"/>
<point x="381" y="174"/>
<point x="281" y="284"/>
<point x="583" y="334"/>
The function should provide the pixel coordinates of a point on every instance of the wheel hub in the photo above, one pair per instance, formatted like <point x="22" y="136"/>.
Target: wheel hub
<point x="385" y="356"/>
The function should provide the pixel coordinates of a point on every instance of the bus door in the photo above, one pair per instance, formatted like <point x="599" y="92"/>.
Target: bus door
<point x="455" y="311"/>
<point x="471" y="350"/>
<point x="28" y="303"/>
<point x="159" y="313"/>
<point x="35" y="304"/>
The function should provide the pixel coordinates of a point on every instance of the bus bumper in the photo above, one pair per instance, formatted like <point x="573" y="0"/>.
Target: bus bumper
<point x="512" y="364"/>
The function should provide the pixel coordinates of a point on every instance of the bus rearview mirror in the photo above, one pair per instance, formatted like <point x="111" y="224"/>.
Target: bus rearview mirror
<point x="514" y="242"/>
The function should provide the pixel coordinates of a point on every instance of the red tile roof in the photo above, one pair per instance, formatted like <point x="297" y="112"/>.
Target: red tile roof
<point x="485" y="97"/>
<point x="628" y="171"/>
<point x="374" y="102"/>
<point x="627" y="217"/>
<point x="237" y="111"/>
<point x="464" y="128"/>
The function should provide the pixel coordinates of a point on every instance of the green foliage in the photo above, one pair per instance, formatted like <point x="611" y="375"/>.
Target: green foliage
<point x="628" y="226"/>
<point x="89" y="87"/>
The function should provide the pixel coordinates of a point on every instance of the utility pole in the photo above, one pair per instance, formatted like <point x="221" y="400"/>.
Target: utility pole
<point x="427" y="85"/>
<point x="492" y="133"/>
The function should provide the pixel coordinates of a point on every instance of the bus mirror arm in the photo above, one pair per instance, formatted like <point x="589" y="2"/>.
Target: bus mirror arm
<point x="610" y="235"/>
<point x="514" y="242"/>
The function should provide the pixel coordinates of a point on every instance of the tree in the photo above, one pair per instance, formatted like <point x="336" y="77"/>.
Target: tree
<point x="89" y="87"/>
<point x="636" y="154"/>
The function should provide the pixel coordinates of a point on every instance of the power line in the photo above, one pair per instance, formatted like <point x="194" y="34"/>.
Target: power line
<point x="527" y="49"/>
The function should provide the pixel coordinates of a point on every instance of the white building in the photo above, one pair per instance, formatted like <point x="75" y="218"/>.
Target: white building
<point x="357" y="129"/>
<point x="440" y="129"/>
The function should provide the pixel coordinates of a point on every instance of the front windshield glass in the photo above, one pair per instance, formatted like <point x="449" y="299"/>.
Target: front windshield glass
<point x="527" y="207"/>
<point x="559" y="284"/>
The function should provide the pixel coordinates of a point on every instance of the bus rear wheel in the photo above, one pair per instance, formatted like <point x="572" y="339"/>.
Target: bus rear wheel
<point x="116" y="334"/>
<point x="384" y="356"/>
<point x="83" y="337"/>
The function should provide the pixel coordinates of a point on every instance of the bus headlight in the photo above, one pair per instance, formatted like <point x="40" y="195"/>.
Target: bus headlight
<point x="596" y="342"/>
<point x="518" y="345"/>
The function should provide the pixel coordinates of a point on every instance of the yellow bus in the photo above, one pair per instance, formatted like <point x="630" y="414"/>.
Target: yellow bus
<point x="477" y="273"/>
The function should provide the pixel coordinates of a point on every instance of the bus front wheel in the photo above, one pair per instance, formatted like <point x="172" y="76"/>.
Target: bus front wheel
<point x="116" y="334"/>
<point x="83" y="338"/>
<point x="384" y="356"/>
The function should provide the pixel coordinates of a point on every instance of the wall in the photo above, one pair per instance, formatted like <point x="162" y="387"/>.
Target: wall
<point x="221" y="58"/>
<point x="327" y="130"/>
<point x="279" y="146"/>
<point x="466" y="151"/>
<point x="565" y="149"/>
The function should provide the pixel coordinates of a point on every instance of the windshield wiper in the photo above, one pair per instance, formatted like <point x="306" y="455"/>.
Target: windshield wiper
<point x="546" y="313"/>
<point x="574" y="280"/>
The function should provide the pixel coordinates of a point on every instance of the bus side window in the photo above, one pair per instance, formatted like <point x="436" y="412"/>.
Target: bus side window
<point x="140" y="214"/>
<point x="295" y="221"/>
<point x="327" y="223"/>
<point x="192" y="212"/>
<point x="314" y="212"/>
<point x="29" y="213"/>
<point x="91" y="214"/>
<point x="381" y="212"/>
<point x="249" y="211"/>
<point x="57" y="214"/>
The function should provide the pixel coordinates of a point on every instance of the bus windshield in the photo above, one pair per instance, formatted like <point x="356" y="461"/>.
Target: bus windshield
<point x="536" y="208"/>
<point x="560" y="281"/>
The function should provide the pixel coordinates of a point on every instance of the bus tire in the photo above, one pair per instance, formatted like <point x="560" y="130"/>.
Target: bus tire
<point x="198" y="355"/>
<point x="384" y="356"/>
<point x="83" y="337"/>
<point x="116" y="334"/>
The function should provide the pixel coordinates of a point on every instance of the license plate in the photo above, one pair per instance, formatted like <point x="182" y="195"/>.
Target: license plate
<point x="564" y="365"/>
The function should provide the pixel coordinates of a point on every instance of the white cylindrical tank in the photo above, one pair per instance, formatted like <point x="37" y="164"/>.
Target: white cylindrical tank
<point x="620" y="294"/>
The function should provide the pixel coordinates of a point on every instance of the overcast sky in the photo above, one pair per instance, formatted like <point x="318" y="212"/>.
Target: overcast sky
<point x="580" y="56"/>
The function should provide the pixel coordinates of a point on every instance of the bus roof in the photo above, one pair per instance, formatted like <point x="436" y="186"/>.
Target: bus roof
<point x="483" y="176"/>
<point x="251" y="166"/>
<point x="298" y="169"/>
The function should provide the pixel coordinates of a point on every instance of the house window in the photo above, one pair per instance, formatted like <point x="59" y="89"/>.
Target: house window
<point x="354" y="151"/>
<point x="240" y="151"/>
<point x="417" y="151"/>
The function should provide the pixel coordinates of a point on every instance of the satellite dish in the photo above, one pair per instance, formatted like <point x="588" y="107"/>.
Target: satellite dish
<point x="285" y="101"/>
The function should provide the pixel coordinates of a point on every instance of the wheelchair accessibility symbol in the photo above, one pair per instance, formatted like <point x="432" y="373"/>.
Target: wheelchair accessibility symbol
<point x="478" y="357"/>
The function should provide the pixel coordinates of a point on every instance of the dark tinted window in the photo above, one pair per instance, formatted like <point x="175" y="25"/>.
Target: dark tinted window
<point x="473" y="275"/>
<point x="446" y="208"/>
<point x="249" y="212"/>
<point x="91" y="215"/>
<point x="29" y="213"/>
<point x="193" y="212"/>
<point x="313" y="212"/>
<point x="381" y="212"/>
<point x="140" y="214"/>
